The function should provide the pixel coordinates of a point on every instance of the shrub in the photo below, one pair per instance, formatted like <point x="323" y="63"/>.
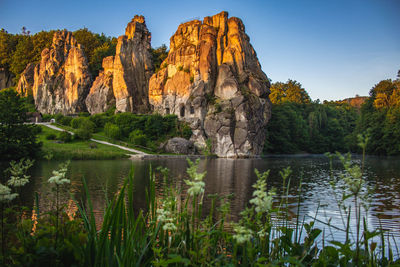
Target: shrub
<point x="58" y="117"/>
<point x="51" y="136"/>
<point x="65" y="136"/>
<point x="110" y="111"/>
<point x="112" y="131"/>
<point x="154" y="126"/>
<point x="75" y="123"/>
<point x="83" y="122"/>
<point x="185" y="130"/>
<point x="66" y="120"/>
<point x="84" y="114"/>
<point x="83" y="134"/>
<point x="47" y="117"/>
<point x="137" y="137"/>
<point x="99" y="120"/>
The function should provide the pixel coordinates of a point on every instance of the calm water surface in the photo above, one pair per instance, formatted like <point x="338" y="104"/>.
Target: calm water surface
<point x="227" y="176"/>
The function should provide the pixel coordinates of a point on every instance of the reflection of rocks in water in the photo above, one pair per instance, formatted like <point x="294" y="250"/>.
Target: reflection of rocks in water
<point x="229" y="176"/>
<point x="226" y="176"/>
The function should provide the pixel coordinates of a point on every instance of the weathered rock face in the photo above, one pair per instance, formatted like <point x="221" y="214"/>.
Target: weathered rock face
<point x="62" y="79"/>
<point x="179" y="145"/>
<point x="101" y="96"/>
<point x="25" y="83"/>
<point x="6" y="79"/>
<point x="133" y="68"/>
<point x="212" y="79"/>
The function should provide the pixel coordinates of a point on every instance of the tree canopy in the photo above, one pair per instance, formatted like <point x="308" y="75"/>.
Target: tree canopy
<point x="17" y="140"/>
<point x="291" y="91"/>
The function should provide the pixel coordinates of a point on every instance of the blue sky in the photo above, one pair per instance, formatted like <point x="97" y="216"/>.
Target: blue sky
<point x="335" y="49"/>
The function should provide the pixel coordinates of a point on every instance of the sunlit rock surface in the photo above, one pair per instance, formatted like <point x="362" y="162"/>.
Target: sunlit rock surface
<point x="213" y="80"/>
<point x="62" y="79"/>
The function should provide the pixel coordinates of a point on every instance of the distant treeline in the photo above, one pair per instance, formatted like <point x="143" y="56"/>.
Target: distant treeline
<point x="301" y="125"/>
<point x="18" y="50"/>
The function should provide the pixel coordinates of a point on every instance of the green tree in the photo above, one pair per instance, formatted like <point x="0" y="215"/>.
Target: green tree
<point x="8" y="44"/>
<point x="291" y="91"/>
<point x="159" y="54"/>
<point x="23" y="55"/>
<point x="94" y="47"/>
<point x="99" y="53"/>
<point x="41" y="40"/>
<point x="17" y="140"/>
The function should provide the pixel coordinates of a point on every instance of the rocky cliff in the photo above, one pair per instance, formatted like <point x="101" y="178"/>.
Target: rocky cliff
<point x="101" y="96"/>
<point x="213" y="80"/>
<point x="26" y="81"/>
<point x="62" y="79"/>
<point x="6" y="79"/>
<point x="133" y="68"/>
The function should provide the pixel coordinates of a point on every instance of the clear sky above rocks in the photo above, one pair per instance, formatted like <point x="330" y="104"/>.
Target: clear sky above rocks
<point x="335" y="49"/>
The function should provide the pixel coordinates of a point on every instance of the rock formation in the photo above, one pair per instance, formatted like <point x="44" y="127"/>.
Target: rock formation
<point x="125" y="79"/>
<point x="133" y="68"/>
<point x="6" y="79"/>
<point x="25" y="83"/>
<point x="101" y="96"/>
<point x="179" y="145"/>
<point x="62" y="79"/>
<point x="212" y="79"/>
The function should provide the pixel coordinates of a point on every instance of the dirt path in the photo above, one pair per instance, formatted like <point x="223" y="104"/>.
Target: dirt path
<point x="97" y="141"/>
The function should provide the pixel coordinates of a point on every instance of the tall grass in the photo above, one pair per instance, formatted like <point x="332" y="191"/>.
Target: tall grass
<point x="172" y="231"/>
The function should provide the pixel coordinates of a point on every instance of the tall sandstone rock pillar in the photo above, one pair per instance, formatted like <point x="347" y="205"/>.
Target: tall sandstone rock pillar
<point x="213" y="80"/>
<point x="133" y="68"/>
<point x="124" y="81"/>
<point x="62" y="79"/>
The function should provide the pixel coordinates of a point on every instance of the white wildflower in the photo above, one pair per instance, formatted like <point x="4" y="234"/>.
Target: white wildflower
<point x="195" y="183"/>
<point x="166" y="217"/>
<point x="59" y="175"/>
<point x="261" y="199"/>
<point x="169" y="227"/>
<point x="243" y="234"/>
<point x="18" y="172"/>
<point x="5" y="194"/>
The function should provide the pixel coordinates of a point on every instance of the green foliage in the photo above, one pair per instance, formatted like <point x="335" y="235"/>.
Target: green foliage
<point x="85" y="127"/>
<point x="158" y="55"/>
<point x="17" y="140"/>
<point x="314" y="128"/>
<point x="112" y="131"/>
<point x="184" y="130"/>
<point x="96" y="47"/>
<point x="99" y="120"/>
<point x="51" y="136"/>
<point x="16" y="51"/>
<point x="23" y="55"/>
<point x="8" y="44"/>
<point x="380" y="116"/>
<point x="65" y="136"/>
<point x="83" y="122"/>
<point x="291" y="91"/>
<point x="83" y="134"/>
<point x="153" y="126"/>
<point x="137" y="137"/>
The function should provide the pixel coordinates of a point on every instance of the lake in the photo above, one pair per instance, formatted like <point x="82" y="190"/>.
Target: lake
<point x="235" y="176"/>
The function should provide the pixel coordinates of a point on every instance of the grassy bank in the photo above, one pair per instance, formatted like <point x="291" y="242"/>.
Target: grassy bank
<point x="77" y="149"/>
<point x="100" y="135"/>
